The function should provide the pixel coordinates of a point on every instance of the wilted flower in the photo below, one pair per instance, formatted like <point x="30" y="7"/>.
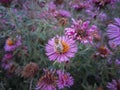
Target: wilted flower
<point x="103" y="51"/>
<point x="58" y="2"/>
<point x="114" y="85"/>
<point x="12" y="68"/>
<point x="11" y="44"/>
<point x="30" y="70"/>
<point x="96" y="37"/>
<point x="47" y="81"/>
<point x="60" y="49"/>
<point x="100" y="88"/>
<point x="101" y="2"/>
<point x="113" y="32"/>
<point x="64" y="79"/>
<point x="62" y="21"/>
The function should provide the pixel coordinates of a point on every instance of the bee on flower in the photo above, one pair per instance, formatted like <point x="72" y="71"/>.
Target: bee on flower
<point x="60" y="48"/>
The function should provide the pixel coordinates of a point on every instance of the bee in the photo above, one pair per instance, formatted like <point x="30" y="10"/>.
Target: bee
<point x="58" y="47"/>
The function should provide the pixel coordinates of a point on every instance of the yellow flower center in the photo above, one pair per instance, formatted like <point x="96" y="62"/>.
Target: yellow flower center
<point x="65" y="47"/>
<point x="61" y="46"/>
<point x="10" y="42"/>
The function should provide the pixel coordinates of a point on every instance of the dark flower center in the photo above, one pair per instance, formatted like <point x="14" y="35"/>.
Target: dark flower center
<point x="49" y="78"/>
<point x="102" y="50"/>
<point x="82" y="33"/>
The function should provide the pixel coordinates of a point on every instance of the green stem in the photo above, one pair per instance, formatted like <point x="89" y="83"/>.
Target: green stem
<point x="30" y="87"/>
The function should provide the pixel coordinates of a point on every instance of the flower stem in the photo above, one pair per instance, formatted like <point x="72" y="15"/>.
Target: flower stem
<point x="30" y="87"/>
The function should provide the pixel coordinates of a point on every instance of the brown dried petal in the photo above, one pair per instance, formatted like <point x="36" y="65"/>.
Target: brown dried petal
<point x="30" y="70"/>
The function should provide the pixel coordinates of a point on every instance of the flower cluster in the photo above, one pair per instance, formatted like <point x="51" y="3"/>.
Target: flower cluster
<point x="9" y="48"/>
<point x="50" y="81"/>
<point x="11" y="44"/>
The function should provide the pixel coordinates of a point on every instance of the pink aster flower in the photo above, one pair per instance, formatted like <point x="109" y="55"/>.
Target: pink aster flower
<point x="52" y="9"/>
<point x="81" y="31"/>
<point x="117" y="62"/>
<point x="64" y="79"/>
<point x="52" y="6"/>
<point x="11" y="45"/>
<point x="6" y="64"/>
<point x="114" y="85"/>
<point x="102" y="16"/>
<point x="8" y="56"/>
<point x="47" y="81"/>
<point x="113" y="32"/>
<point x="60" y="49"/>
<point x="6" y="61"/>
<point x="70" y="32"/>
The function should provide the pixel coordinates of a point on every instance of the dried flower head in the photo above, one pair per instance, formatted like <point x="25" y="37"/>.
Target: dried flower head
<point x="12" y="68"/>
<point x="47" y="81"/>
<point x="101" y="3"/>
<point x="103" y="51"/>
<point x="100" y="88"/>
<point x="30" y="70"/>
<point x="63" y="21"/>
<point x="58" y="2"/>
<point x="96" y="37"/>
